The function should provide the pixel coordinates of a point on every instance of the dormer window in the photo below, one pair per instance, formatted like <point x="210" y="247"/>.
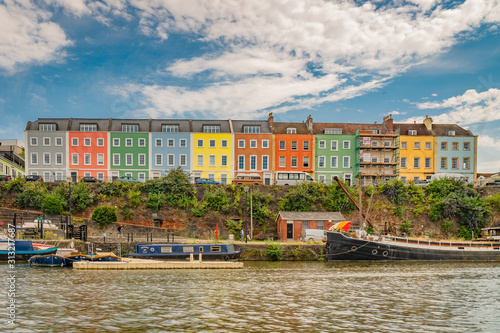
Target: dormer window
<point x="291" y="130"/>
<point x="211" y="128"/>
<point x="88" y="127"/>
<point x="170" y="128"/>
<point x="47" y="127"/>
<point x="251" y="129"/>
<point x="130" y="128"/>
<point x="450" y="133"/>
<point x="412" y="132"/>
<point x="332" y="131"/>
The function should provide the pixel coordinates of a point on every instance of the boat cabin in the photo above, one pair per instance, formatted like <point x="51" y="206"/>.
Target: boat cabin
<point x="491" y="233"/>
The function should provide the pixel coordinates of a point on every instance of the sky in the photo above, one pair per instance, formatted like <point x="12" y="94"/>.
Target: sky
<point x="338" y="60"/>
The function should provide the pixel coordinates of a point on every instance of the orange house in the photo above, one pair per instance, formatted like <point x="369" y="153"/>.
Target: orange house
<point x="88" y="150"/>
<point x="292" y="225"/>
<point x="293" y="147"/>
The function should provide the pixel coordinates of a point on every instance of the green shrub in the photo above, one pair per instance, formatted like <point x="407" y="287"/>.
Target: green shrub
<point x="447" y="226"/>
<point x="104" y="215"/>
<point x="52" y="205"/>
<point x="405" y="226"/>
<point x="155" y="201"/>
<point x="15" y="185"/>
<point x="493" y="202"/>
<point x="216" y="199"/>
<point x="199" y="210"/>
<point x="274" y="251"/>
<point x="82" y="196"/>
<point x="369" y="230"/>
<point x="233" y="226"/>
<point x="134" y="197"/>
<point x="260" y="208"/>
<point x="32" y="195"/>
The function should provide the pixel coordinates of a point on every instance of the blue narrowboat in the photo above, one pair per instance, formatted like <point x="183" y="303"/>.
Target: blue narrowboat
<point x="106" y="257"/>
<point x="71" y="258"/>
<point x="21" y="249"/>
<point x="48" y="260"/>
<point x="183" y="251"/>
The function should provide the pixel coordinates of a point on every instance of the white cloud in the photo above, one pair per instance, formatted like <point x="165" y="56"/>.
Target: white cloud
<point x="488" y="154"/>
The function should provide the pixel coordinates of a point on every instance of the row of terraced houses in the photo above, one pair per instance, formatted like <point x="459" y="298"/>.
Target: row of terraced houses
<point x="71" y="148"/>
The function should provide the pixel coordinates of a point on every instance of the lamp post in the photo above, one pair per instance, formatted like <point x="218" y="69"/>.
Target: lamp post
<point x="69" y="218"/>
<point x="246" y="209"/>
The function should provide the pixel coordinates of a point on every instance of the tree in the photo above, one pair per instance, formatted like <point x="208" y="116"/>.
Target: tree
<point x="104" y="215"/>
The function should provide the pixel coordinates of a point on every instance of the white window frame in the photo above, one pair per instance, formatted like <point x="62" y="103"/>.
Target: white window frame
<point x="141" y="142"/>
<point x="75" y="159"/>
<point x="212" y="143"/>
<point x="200" y="143"/>
<point x="115" y="156"/>
<point x="141" y="176"/>
<point x="223" y="178"/>
<point x="416" y="162"/>
<point x="74" y="142"/>
<point x="46" y="144"/>
<point x="241" y="161"/>
<point x="129" y="143"/>
<point x="253" y="158"/>
<point x="100" y="142"/>
<point x="59" y="155"/>
<point x="33" y="142"/>
<point x="416" y="145"/>
<point x="241" y="143"/>
<point x="336" y="145"/>
<point x="143" y="156"/>
<point x="253" y="143"/>
<point x="131" y="159"/>
<point x="265" y="143"/>
<point x="44" y="159"/>
<point x="332" y="164"/>
<point x="116" y="142"/>
<point x="322" y="144"/>
<point x="403" y="144"/>
<point x="212" y="160"/>
<point x="282" y="161"/>
<point x="170" y="159"/>
<point x="348" y="144"/>
<point x="223" y="143"/>
<point x="403" y="162"/>
<point x="200" y="158"/>
<point x="348" y="158"/>
<point x="265" y="162"/>
<point x="294" y="145"/>
<point x="428" y="159"/>
<point x="183" y="157"/>
<point x="85" y="142"/>
<point x="222" y="163"/>
<point x="304" y="158"/>
<point x="100" y="159"/>
<point x="428" y="146"/>
<point x="100" y="176"/>
<point x="158" y="143"/>
<point x="284" y="145"/>
<point x="158" y="159"/>
<point x="85" y="157"/>
<point x="296" y="160"/>
<point x="322" y="161"/>
<point x="183" y="143"/>
<point x="291" y="130"/>
<point x="170" y="143"/>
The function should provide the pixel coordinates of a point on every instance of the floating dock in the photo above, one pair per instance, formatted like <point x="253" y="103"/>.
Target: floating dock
<point x="128" y="263"/>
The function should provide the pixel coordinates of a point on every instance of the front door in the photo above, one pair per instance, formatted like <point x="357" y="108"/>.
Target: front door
<point x="289" y="230"/>
<point x="73" y="177"/>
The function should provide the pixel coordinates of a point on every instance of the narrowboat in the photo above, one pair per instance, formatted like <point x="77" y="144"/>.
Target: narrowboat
<point x="386" y="248"/>
<point x="106" y="257"/>
<point x="47" y="260"/>
<point x="213" y="251"/>
<point x="71" y="258"/>
<point x="22" y="249"/>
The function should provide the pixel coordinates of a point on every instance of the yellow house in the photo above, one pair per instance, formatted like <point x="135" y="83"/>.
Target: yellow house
<point x="212" y="150"/>
<point x="417" y="151"/>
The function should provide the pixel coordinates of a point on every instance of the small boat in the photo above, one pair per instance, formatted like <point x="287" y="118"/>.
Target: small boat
<point x="106" y="257"/>
<point x="342" y="247"/>
<point x="22" y="249"/>
<point x="71" y="258"/>
<point x="48" y="260"/>
<point x="214" y="251"/>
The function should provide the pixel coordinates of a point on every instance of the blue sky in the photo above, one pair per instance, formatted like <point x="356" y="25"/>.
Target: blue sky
<point x="340" y="61"/>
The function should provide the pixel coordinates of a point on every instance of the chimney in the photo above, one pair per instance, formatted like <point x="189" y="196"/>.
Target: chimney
<point x="388" y="121"/>
<point x="309" y="123"/>
<point x="270" y="120"/>
<point x="428" y="123"/>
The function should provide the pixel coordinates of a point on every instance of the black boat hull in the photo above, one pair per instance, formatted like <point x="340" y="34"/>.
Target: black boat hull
<point x="340" y="247"/>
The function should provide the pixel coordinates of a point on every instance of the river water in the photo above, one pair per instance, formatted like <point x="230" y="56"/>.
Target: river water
<point x="263" y="297"/>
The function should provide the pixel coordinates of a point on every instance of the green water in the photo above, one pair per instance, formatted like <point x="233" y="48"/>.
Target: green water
<point x="263" y="297"/>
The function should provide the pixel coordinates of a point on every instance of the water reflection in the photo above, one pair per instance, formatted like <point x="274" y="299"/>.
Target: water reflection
<point x="263" y="297"/>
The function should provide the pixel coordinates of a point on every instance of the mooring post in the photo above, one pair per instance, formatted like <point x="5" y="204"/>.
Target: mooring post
<point x="191" y="257"/>
<point x="199" y="259"/>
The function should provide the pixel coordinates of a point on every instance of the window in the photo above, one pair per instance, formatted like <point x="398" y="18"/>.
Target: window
<point x="321" y="161"/>
<point x="223" y="143"/>
<point x="87" y="159"/>
<point x="347" y="162"/>
<point x="211" y="160"/>
<point x="305" y="225"/>
<point x="403" y="145"/>
<point x="223" y="160"/>
<point x="306" y="145"/>
<point x="141" y="176"/>
<point x="387" y="143"/>
<point x="158" y="142"/>
<point x="170" y="143"/>
<point x="211" y="143"/>
<point x="241" y="162"/>
<point x="116" y="142"/>
<point x="294" y="161"/>
<point x="403" y="162"/>
<point x="428" y="146"/>
<point x="223" y="178"/>
<point x="265" y="143"/>
<point x="128" y="159"/>
<point x="142" y="159"/>
<point x="88" y="127"/>
<point x="100" y="159"/>
<point x="59" y="176"/>
<point x="333" y="162"/>
<point x="374" y="143"/>
<point x="59" y="158"/>
<point x="444" y="145"/>
<point x="347" y="144"/>
<point x="47" y="127"/>
<point x="46" y="158"/>
<point x="332" y="131"/>
<point x="211" y="128"/>
<point x="444" y="163"/>
<point x="321" y="144"/>
<point x="334" y="145"/>
<point x="116" y="159"/>
<point x="305" y="161"/>
<point x="282" y="145"/>
<point x="34" y="141"/>
<point x="183" y="143"/>
<point x="241" y="143"/>
<point x="294" y="145"/>
<point x="387" y="160"/>
<point x="416" y="145"/>
<point x="291" y="130"/>
<point x="74" y="142"/>
<point x="253" y="162"/>
<point x="130" y="128"/>
<point x="427" y="162"/>
<point x="100" y="142"/>
<point x="158" y="159"/>
<point x="375" y="159"/>
<point x="128" y="142"/>
<point x="466" y="163"/>
<point x="199" y="143"/>
<point x="100" y="176"/>
<point x="251" y="129"/>
<point x="451" y="133"/>
<point x="412" y="132"/>
<point x="170" y="128"/>
<point x="74" y="159"/>
<point x="46" y="141"/>
<point x="466" y="145"/>
<point x="454" y="146"/>
<point x="416" y="162"/>
<point x="321" y="178"/>
<point x="403" y="179"/>
<point x="282" y="161"/>
<point x="142" y="142"/>
<point x="199" y="160"/>
<point x="253" y="143"/>
<point x="170" y="160"/>
<point x="454" y="162"/>
<point x="183" y="159"/>
<point x="87" y="142"/>
<point x="265" y="162"/>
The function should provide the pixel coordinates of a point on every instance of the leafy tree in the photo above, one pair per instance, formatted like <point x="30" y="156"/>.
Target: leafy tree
<point x="52" y="205"/>
<point x="104" y="215"/>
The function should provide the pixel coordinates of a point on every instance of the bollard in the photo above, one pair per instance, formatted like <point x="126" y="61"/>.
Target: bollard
<point x="199" y="259"/>
<point x="191" y="257"/>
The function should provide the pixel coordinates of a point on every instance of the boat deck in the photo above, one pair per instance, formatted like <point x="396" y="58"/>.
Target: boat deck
<point x="130" y="263"/>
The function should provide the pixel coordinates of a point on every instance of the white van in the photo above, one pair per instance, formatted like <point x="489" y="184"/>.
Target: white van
<point x="313" y="235"/>
<point x="292" y="177"/>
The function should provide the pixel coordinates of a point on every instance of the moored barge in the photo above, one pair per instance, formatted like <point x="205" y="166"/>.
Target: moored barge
<point x="212" y="251"/>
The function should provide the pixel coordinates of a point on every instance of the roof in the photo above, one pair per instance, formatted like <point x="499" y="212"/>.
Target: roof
<point x="347" y="128"/>
<point x="116" y="124"/>
<point x="263" y="124"/>
<point x="156" y="124"/>
<point x="437" y="129"/>
<point x="102" y="124"/>
<point x="420" y="128"/>
<point x="61" y="123"/>
<point x="280" y="128"/>
<point x="198" y="125"/>
<point x="316" y="216"/>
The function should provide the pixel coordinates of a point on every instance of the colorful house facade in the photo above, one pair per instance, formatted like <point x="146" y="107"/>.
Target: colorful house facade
<point x="11" y="161"/>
